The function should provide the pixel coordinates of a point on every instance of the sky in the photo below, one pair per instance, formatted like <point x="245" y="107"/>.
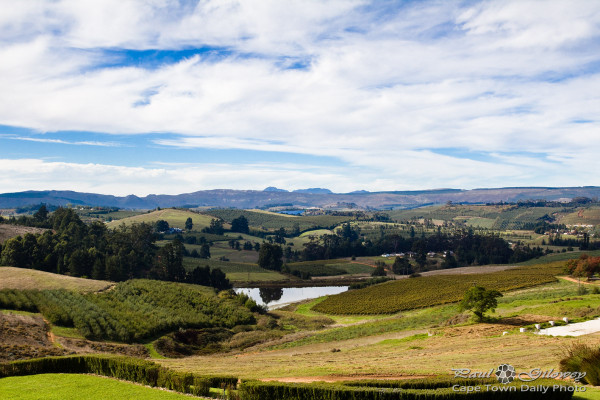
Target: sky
<point x="166" y="97"/>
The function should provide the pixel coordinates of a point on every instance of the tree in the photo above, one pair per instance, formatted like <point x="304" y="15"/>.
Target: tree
<point x="379" y="269"/>
<point x="240" y="224"/>
<point x="189" y="224"/>
<point x="402" y="266"/>
<point x="280" y="236"/>
<point x="161" y="225"/>
<point x="205" y="251"/>
<point x="270" y="256"/>
<point x="479" y="300"/>
<point x="216" y="227"/>
<point x="42" y="214"/>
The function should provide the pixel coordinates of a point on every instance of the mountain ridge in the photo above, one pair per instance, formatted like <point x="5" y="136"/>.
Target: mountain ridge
<point x="230" y="198"/>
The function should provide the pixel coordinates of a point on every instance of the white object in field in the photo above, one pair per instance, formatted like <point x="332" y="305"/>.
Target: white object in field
<point x="551" y="323"/>
<point x="566" y="320"/>
<point x="538" y="326"/>
<point x="504" y="333"/>
<point x="576" y="329"/>
<point x="522" y="329"/>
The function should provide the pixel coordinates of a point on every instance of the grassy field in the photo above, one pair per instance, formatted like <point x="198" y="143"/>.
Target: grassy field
<point x="587" y="216"/>
<point x="78" y="387"/>
<point x="272" y="221"/>
<point x="175" y="218"/>
<point x="317" y="232"/>
<point x="236" y="272"/>
<point x="22" y="278"/>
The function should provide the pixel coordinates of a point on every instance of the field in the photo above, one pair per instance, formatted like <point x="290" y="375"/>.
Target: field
<point x="272" y="221"/>
<point x="21" y="278"/>
<point x="175" y="218"/>
<point x="238" y="273"/>
<point x="498" y="217"/>
<point x="132" y="310"/>
<point x="78" y="387"/>
<point x="8" y="231"/>
<point x="406" y="294"/>
<point x="587" y="216"/>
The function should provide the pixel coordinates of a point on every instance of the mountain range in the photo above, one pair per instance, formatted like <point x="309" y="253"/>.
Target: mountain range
<point x="315" y="197"/>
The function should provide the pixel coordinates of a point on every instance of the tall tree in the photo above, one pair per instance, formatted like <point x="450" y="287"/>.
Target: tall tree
<point x="240" y="224"/>
<point x="189" y="224"/>
<point x="270" y="256"/>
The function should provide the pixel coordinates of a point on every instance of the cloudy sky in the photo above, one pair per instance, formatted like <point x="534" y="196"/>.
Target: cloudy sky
<point x="164" y="96"/>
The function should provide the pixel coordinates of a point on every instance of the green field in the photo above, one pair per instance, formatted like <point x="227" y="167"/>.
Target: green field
<point x="236" y="272"/>
<point x="407" y="294"/>
<point x="272" y="221"/>
<point x="78" y="387"/>
<point x="176" y="218"/>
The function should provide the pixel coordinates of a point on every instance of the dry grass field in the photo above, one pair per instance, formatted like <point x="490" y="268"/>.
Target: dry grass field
<point x="22" y="278"/>
<point x="8" y="231"/>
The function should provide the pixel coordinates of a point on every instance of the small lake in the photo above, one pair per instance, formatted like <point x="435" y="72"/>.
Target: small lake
<point x="279" y="297"/>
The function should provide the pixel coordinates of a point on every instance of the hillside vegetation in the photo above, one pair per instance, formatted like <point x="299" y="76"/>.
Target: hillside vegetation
<point x="133" y="310"/>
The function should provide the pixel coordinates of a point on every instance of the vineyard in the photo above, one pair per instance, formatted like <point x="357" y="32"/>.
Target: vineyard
<point x="407" y="294"/>
<point x="133" y="310"/>
<point x="271" y="221"/>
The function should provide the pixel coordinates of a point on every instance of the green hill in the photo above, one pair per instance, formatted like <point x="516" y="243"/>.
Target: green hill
<point x="176" y="219"/>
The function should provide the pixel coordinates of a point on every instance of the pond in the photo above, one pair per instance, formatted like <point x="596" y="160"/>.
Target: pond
<point x="279" y="297"/>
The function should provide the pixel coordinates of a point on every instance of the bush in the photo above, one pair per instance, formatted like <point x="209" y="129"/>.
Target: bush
<point x="583" y="358"/>
<point x="381" y="390"/>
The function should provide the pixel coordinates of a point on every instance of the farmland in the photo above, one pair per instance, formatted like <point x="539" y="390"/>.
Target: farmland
<point x="175" y="217"/>
<point x="272" y="221"/>
<point x="406" y="294"/>
<point x="132" y="310"/>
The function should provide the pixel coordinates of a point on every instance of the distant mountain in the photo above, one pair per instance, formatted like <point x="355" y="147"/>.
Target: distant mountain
<point x="313" y="191"/>
<point x="304" y="198"/>
<point x="359" y="192"/>
<point x="273" y="189"/>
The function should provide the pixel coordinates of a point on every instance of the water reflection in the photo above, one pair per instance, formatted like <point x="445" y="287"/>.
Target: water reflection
<point x="279" y="297"/>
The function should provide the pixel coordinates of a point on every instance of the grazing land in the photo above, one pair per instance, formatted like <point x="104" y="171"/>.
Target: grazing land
<point x="175" y="217"/>
<point x="30" y="279"/>
<point x="272" y="221"/>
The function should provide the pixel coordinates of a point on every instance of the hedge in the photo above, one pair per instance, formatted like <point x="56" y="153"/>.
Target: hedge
<point x="257" y="390"/>
<point x="125" y="368"/>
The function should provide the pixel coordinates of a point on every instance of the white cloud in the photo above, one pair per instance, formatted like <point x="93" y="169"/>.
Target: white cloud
<point x="379" y="88"/>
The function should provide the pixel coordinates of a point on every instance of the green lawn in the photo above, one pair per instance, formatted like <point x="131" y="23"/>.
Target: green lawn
<point x="77" y="387"/>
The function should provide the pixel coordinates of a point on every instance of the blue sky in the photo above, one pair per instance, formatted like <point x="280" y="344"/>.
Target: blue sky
<point x="165" y="96"/>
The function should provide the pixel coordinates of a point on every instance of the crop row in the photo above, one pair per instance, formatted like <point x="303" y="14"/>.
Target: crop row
<point x="133" y="310"/>
<point x="407" y="294"/>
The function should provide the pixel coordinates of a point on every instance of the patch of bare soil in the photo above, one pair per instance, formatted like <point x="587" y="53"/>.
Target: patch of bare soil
<point x="494" y="328"/>
<point x="82" y="346"/>
<point x="9" y="231"/>
<point x="24" y="336"/>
